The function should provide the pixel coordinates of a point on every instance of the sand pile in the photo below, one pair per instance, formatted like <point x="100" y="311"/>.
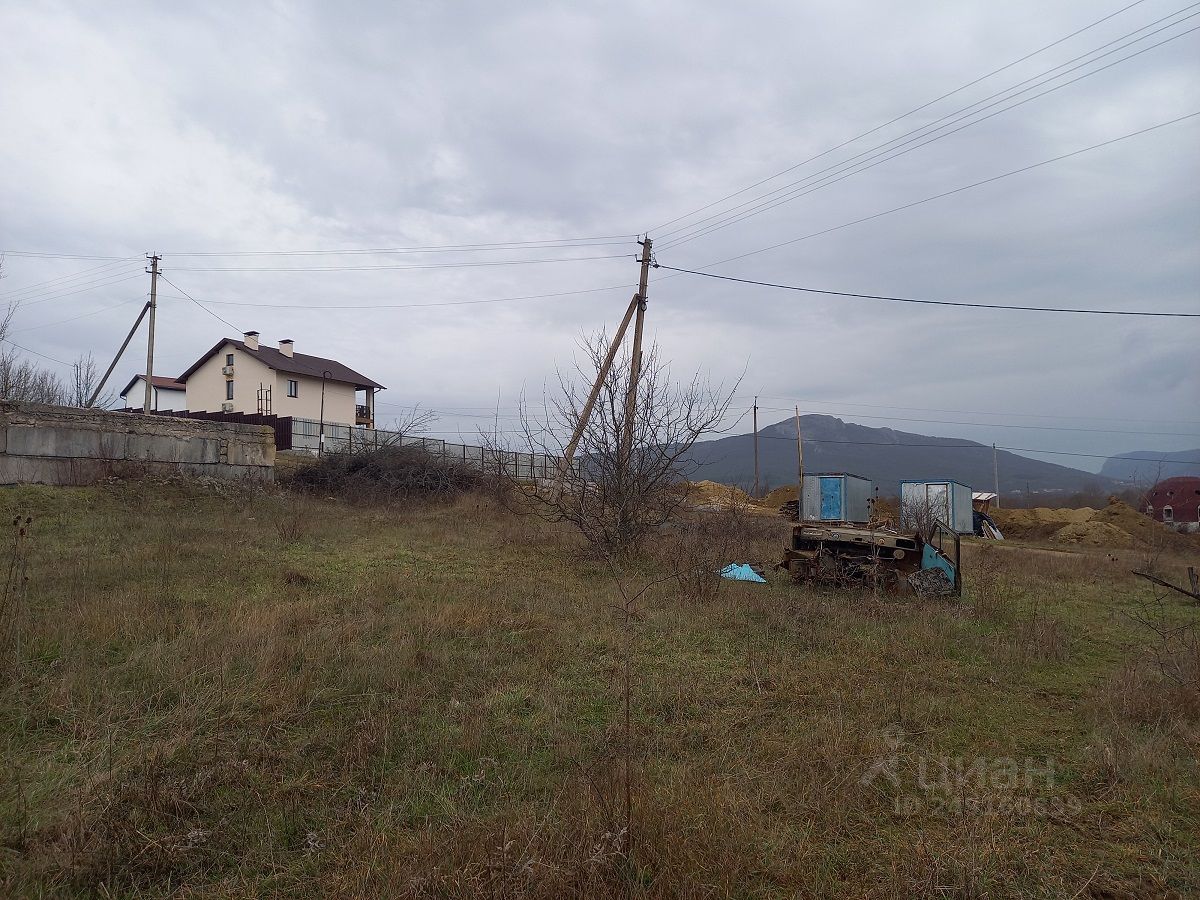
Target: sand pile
<point x="779" y="496"/>
<point x="1117" y="525"/>
<point x="710" y="493"/>
<point x="1094" y="534"/>
<point x="1040" y="522"/>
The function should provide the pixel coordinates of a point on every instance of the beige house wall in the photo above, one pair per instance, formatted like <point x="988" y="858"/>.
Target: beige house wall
<point x="206" y="389"/>
<point x="339" y="399"/>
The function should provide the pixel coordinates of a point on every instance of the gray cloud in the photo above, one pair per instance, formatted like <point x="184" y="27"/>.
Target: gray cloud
<point x="225" y="127"/>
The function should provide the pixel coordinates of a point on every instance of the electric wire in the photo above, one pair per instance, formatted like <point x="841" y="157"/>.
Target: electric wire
<point x="958" y="190"/>
<point x="964" y="412"/>
<point x="882" y="154"/>
<point x="957" y="303"/>
<point x="432" y="305"/>
<point x="94" y="312"/>
<point x="903" y="116"/>
<point x="35" y="353"/>
<point x="456" y="265"/>
<point x="35" y="299"/>
<point x="54" y="284"/>
<point x="547" y="244"/>
<point x="197" y="302"/>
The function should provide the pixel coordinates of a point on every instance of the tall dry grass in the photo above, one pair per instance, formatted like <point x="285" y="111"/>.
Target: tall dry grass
<point x="429" y="701"/>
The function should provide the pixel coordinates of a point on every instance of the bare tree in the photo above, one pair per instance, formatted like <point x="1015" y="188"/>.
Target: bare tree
<point x="21" y="379"/>
<point x="612" y="496"/>
<point x="86" y="378"/>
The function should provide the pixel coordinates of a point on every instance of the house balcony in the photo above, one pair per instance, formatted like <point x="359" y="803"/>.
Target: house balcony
<point x="362" y="415"/>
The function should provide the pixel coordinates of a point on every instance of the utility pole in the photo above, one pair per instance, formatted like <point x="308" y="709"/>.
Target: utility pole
<point x="635" y="359"/>
<point x="995" y="476"/>
<point x="756" y="448"/>
<point x="799" y="470"/>
<point x="148" y="403"/>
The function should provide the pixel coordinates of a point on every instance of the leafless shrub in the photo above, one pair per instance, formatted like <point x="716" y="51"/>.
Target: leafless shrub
<point x="626" y="477"/>
<point x="385" y="475"/>
<point x="1173" y="651"/>
<point x="85" y="378"/>
<point x="13" y="601"/>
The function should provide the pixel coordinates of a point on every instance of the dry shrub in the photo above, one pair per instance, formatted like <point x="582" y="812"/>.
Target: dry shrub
<point x="1040" y="636"/>
<point x="696" y="551"/>
<point x="386" y="475"/>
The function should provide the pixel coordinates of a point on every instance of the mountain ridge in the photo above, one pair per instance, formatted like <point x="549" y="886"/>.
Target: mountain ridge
<point x="884" y="455"/>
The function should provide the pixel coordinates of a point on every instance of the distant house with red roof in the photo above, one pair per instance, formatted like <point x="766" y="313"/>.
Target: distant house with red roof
<point x="1176" y="502"/>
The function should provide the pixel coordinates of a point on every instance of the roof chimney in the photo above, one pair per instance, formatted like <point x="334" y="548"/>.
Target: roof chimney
<point x="285" y="346"/>
<point x="250" y="339"/>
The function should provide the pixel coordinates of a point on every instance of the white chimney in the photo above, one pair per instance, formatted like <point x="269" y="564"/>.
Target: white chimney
<point x="250" y="339"/>
<point x="285" y="346"/>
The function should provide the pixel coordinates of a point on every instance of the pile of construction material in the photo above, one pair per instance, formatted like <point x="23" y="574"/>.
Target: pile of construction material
<point x="1116" y="525"/>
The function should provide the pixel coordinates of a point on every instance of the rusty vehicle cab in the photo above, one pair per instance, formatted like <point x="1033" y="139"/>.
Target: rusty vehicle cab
<point x="845" y="555"/>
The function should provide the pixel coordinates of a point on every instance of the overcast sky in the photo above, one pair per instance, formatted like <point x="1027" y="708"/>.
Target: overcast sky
<point x="222" y="127"/>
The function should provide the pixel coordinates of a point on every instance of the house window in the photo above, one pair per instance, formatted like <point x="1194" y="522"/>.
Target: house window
<point x="229" y="359"/>
<point x="1168" y="514"/>
<point x="293" y="388"/>
<point x="229" y="390"/>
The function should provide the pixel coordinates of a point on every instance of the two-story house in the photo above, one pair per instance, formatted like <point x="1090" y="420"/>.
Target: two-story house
<point x="245" y="376"/>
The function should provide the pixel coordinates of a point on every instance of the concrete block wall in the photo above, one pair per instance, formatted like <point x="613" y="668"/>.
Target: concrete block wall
<point x="62" y="445"/>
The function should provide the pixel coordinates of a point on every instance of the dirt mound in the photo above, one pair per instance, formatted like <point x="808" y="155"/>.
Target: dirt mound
<point x="779" y="496"/>
<point x="1117" y="525"/>
<point x="1040" y="522"/>
<point x="1142" y="529"/>
<point x="1094" y="534"/>
<point x="710" y="493"/>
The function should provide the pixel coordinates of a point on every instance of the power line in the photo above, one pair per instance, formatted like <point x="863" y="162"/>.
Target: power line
<point x="902" y="116"/>
<point x="958" y="190"/>
<point x="105" y="281"/>
<point x="966" y="412"/>
<point x="998" y="425"/>
<point x="35" y="353"/>
<point x="457" y="265"/>
<point x="547" y="244"/>
<point x="1053" y="309"/>
<point x="611" y="287"/>
<point x="197" y="302"/>
<point x="40" y="255"/>
<point x="972" y="446"/>
<point x="94" y="312"/>
<point x="38" y="287"/>
<point x="883" y="153"/>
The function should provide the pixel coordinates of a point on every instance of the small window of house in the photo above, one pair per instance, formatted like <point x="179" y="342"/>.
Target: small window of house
<point x="229" y="359"/>
<point x="229" y="390"/>
<point x="293" y="388"/>
<point x="1168" y="514"/>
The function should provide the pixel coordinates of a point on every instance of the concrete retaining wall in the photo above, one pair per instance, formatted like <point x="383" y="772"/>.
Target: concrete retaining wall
<point x="63" y="445"/>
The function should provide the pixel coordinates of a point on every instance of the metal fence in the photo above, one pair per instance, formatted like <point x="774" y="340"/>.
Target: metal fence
<point x="306" y="435"/>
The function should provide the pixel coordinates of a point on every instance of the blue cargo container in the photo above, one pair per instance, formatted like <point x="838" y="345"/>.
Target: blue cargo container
<point x="836" y="497"/>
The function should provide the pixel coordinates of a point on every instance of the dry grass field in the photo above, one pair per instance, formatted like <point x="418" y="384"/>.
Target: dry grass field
<point x="225" y="693"/>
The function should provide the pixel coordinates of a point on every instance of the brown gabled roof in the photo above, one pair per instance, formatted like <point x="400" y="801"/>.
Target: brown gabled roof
<point x="297" y="363"/>
<point x="165" y="382"/>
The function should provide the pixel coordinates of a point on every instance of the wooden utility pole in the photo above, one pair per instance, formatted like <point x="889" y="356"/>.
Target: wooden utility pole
<point x="799" y="470"/>
<point x="635" y="358"/>
<point x="148" y="403"/>
<point x="755" y="448"/>
<point x="995" y="476"/>
<point x="586" y="412"/>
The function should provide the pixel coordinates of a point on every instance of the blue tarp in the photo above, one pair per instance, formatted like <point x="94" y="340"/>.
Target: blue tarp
<point x="742" y="573"/>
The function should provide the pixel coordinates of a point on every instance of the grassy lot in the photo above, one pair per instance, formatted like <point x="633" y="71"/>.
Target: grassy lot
<point x="223" y="693"/>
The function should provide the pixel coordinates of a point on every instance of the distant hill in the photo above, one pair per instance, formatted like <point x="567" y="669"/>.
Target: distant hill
<point x="1143" y="466"/>
<point x="881" y="454"/>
